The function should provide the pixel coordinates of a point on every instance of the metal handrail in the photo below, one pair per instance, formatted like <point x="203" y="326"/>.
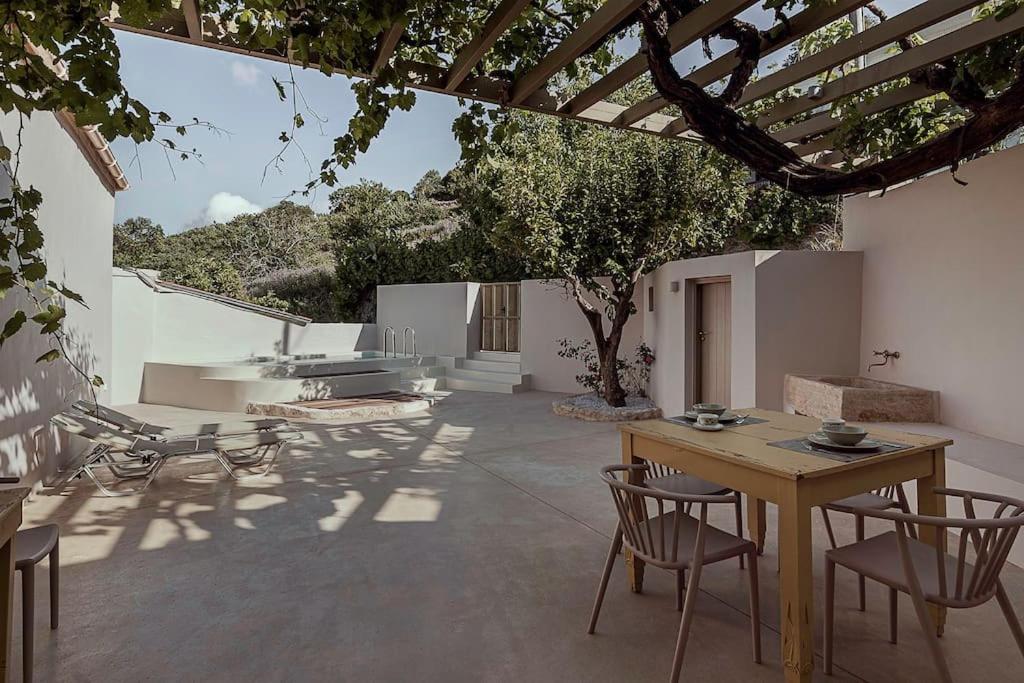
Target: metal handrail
<point x="405" y="341"/>
<point x="394" y="341"/>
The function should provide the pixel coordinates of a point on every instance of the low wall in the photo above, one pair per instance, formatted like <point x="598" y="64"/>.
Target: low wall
<point x="169" y="327"/>
<point x="444" y="315"/>
<point x="942" y="285"/>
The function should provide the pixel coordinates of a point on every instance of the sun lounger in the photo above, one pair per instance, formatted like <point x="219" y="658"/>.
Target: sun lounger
<point x="155" y="431"/>
<point x="128" y="455"/>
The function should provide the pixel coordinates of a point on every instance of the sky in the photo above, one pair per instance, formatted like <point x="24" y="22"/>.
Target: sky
<point x="236" y="94"/>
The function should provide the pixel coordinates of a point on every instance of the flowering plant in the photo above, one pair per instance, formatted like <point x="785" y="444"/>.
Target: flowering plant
<point x="635" y="374"/>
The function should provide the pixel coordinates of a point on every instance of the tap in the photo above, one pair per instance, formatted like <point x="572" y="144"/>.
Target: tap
<point x="886" y="355"/>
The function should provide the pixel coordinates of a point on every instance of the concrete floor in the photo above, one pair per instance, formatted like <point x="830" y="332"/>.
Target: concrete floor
<point x="460" y="545"/>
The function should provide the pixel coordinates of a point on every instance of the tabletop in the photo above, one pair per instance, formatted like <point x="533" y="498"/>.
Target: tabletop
<point x="748" y="444"/>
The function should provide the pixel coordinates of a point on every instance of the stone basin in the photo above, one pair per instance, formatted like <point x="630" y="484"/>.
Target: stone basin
<point x="859" y="399"/>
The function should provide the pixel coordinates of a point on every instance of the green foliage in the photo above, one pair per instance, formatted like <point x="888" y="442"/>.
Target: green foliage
<point x="139" y="243"/>
<point x="636" y="373"/>
<point x="306" y="291"/>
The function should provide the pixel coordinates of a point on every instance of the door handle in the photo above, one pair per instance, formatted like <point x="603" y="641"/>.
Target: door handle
<point x="702" y="336"/>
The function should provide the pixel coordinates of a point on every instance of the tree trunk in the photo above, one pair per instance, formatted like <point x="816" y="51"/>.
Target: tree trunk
<point x="608" y="346"/>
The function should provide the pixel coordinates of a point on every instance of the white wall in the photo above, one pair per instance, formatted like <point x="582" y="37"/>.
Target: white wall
<point x="808" y="317"/>
<point x="943" y="283"/>
<point x="176" y="327"/>
<point x="443" y="315"/>
<point x="549" y="315"/>
<point x="76" y="218"/>
<point x="667" y="328"/>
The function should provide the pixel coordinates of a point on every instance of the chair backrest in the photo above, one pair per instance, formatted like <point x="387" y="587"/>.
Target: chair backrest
<point x="645" y="529"/>
<point x="992" y="538"/>
<point x="119" y="419"/>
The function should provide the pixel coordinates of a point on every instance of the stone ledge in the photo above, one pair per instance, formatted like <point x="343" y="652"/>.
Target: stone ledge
<point x="592" y="408"/>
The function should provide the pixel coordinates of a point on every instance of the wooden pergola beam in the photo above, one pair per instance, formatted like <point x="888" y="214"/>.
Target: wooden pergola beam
<point x="692" y="27"/>
<point x="193" y="18"/>
<point x="388" y="43"/>
<point x="501" y="18"/>
<point x="778" y="37"/>
<point x="589" y="33"/>
<point x="952" y="44"/>
<point x="825" y="122"/>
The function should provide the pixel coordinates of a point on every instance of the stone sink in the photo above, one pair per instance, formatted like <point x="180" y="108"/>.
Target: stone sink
<point x="859" y="399"/>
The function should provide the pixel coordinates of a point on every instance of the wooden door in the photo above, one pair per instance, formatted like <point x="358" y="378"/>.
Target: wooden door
<point x="714" y="341"/>
<point x="499" y="329"/>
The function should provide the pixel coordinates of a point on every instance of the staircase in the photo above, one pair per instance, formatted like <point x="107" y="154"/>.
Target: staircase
<point x="491" y="371"/>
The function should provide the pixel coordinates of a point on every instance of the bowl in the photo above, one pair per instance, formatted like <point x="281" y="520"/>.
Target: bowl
<point x="845" y="435"/>
<point x="714" y="408"/>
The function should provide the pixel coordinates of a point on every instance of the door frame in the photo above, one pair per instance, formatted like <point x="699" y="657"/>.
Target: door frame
<point x="691" y="322"/>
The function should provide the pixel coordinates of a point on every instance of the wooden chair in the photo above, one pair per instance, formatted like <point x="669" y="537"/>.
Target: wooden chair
<point x="928" y="574"/>
<point x="671" y="480"/>
<point x="676" y="541"/>
<point x="30" y="547"/>
<point x="886" y="498"/>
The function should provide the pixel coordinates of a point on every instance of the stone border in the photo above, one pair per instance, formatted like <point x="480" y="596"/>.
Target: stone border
<point x="590" y="408"/>
<point x="305" y="413"/>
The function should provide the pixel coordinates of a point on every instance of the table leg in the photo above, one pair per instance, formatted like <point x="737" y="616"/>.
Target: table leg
<point x="756" y="524"/>
<point x="796" y="586"/>
<point x="6" y="604"/>
<point x="931" y="503"/>
<point x="634" y="565"/>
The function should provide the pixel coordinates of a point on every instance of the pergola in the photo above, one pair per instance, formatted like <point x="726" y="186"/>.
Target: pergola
<point x="810" y="136"/>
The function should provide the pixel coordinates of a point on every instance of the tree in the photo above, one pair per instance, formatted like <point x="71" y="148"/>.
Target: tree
<point x="138" y="243"/>
<point x="580" y="202"/>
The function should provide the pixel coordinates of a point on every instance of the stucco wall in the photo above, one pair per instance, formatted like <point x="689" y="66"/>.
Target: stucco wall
<point x="443" y="315"/>
<point x="176" y="327"/>
<point x="76" y="218"/>
<point x="548" y="315"/>
<point x="943" y="278"/>
<point x="667" y="328"/>
<point x="808" y="317"/>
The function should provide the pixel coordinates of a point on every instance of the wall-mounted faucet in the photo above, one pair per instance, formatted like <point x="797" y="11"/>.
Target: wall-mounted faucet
<point x="886" y="355"/>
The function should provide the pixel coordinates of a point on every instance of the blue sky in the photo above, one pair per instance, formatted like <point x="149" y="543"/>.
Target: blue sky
<point x="236" y="93"/>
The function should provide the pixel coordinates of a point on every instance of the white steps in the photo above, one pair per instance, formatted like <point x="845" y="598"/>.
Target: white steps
<point x="500" y="356"/>
<point x="491" y="371"/>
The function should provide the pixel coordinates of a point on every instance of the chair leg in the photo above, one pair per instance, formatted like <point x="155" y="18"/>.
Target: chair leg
<point x="861" y="598"/>
<point x="609" y="563"/>
<point x="894" y="605"/>
<point x="1011" y="617"/>
<point x="28" y="608"/>
<point x="739" y="520"/>
<point x="928" y="628"/>
<point x="680" y="588"/>
<point x="830" y="598"/>
<point x="692" y="589"/>
<point x="828" y="528"/>
<point x="755" y="607"/>
<point x="55" y="585"/>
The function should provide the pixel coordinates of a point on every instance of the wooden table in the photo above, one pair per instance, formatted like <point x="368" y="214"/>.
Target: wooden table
<point x="10" y="520"/>
<point x="741" y="459"/>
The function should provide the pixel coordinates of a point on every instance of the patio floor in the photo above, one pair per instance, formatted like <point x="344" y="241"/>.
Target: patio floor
<point x="460" y="545"/>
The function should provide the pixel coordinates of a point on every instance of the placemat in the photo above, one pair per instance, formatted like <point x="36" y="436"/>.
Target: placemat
<point x="680" y="420"/>
<point x="801" y="446"/>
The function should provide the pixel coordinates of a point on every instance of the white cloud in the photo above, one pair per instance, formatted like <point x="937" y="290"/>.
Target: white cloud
<point x="224" y="206"/>
<point x="244" y="73"/>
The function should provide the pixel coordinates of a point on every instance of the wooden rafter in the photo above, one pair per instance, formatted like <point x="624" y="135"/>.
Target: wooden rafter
<point x="388" y="43"/>
<point x="193" y="18"/>
<point x="694" y="26"/>
<point x="589" y="33"/>
<point x="967" y="38"/>
<point x="502" y="17"/>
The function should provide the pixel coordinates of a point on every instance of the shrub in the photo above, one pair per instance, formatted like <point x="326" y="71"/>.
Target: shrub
<point x="311" y="292"/>
<point x="635" y="374"/>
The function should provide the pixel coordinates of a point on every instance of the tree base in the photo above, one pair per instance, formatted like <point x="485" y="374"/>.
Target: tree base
<point x="593" y="408"/>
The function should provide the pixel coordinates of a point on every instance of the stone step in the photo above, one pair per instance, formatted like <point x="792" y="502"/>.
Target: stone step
<point x="492" y="387"/>
<point x="484" y="376"/>
<point x="501" y="356"/>
<point x="488" y="365"/>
